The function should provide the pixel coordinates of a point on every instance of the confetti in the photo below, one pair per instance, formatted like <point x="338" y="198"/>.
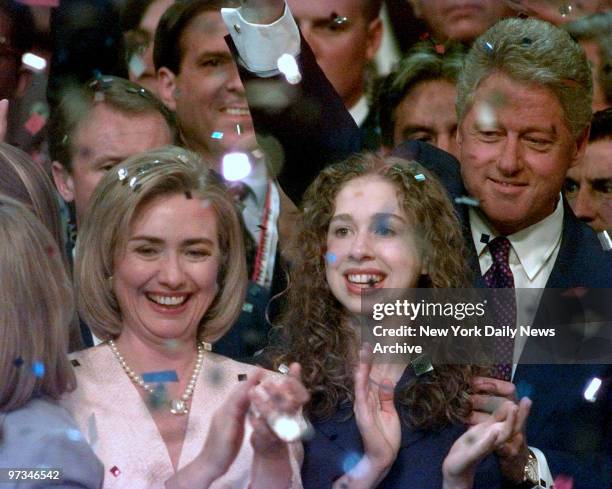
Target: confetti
<point x="34" y="62"/>
<point x="283" y="369"/>
<point x="242" y="377"/>
<point x="350" y="461"/>
<point x="207" y="346"/>
<point x="92" y="430"/>
<point x="422" y="364"/>
<point x="486" y="116"/>
<point x="590" y="393"/>
<point x="565" y="9"/>
<point x="247" y="307"/>
<point x="420" y="177"/>
<point x="467" y="201"/>
<point x="74" y="435"/>
<point x="563" y="482"/>
<point x="235" y="166"/>
<point x="75" y="362"/>
<point x="134" y="185"/>
<point x="338" y="20"/>
<point x="161" y="376"/>
<point x="122" y="173"/>
<point x="605" y="240"/>
<point x="217" y="135"/>
<point x="330" y="257"/>
<point x="99" y="96"/>
<point x="523" y="389"/>
<point x="38" y="369"/>
<point x="287" y="428"/>
<point x="35" y="123"/>
<point x="158" y="398"/>
<point x="288" y="67"/>
<point x="440" y="49"/>
<point x="488" y="47"/>
<point x="238" y="129"/>
<point x="484" y="238"/>
<point x="18" y="362"/>
<point x="137" y="66"/>
<point x="115" y="471"/>
<point x="215" y="376"/>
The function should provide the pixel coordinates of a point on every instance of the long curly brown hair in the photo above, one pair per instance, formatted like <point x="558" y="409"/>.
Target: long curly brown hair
<point x="312" y="329"/>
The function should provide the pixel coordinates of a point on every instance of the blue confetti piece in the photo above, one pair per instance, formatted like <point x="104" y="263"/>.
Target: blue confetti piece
<point x="523" y="389"/>
<point x="420" y="177"/>
<point x="38" y="369"/>
<point x="350" y="461"/>
<point x="158" y="377"/>
<point x="247" y="307"/>
<point x="18" y="362"/>
<point x="74" y="435"/>
<point x="488" y="47"/>
<point x="467" y="201"/>
<point x="330" y="257"/>
<point x="217" y="135"/>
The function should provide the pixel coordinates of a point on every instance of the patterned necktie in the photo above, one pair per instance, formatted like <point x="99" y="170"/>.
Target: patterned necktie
<point x="499" y="275"/>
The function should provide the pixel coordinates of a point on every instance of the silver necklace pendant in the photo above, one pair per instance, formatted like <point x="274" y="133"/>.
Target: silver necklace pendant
<point x="178" y="406"/>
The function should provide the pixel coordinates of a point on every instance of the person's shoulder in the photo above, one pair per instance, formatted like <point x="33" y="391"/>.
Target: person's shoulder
<point x="42" y="433"/>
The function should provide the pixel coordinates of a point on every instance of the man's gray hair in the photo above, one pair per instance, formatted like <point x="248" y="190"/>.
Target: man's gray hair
<point x="531" y="51"/>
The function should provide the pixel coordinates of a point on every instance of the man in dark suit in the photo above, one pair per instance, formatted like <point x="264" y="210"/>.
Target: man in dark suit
<point x="523" y="111"/>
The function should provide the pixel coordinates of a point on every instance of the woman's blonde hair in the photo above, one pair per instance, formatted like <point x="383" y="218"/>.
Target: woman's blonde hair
<point x="116" y="204"/>
<point x="37" y="306"/>
<point x="24" y="180"/>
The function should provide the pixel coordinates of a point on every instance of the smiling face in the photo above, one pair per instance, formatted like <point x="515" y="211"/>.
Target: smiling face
<point x="371" y="241"/>
<point x="516" y="167"/>
<point x="166" y="279"/>
<point x="207" y="93"/>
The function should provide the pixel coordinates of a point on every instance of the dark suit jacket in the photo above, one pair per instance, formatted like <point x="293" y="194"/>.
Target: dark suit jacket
<point x="574" y="434"/>
<point x="337" y="443"/>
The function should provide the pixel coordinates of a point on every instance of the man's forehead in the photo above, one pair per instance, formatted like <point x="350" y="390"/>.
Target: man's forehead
<point x="107" y="127"/>
<point x="324" y="9"/>
<point x="208" y="23"/>
<point x="598" y="159"/>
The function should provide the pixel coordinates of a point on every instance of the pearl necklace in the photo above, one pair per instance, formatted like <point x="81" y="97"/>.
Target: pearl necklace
<point x="177" y="406"/>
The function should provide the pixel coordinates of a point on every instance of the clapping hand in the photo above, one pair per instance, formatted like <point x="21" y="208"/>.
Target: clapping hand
<point x="490" y="395"/>
<point x="379" y="425"/>
<point x="475" y="444"/>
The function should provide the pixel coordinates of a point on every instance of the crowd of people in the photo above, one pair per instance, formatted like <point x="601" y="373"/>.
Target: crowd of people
<point x="196" y="216"/>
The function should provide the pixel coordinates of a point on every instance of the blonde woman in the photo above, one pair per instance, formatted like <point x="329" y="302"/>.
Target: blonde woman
<point x="160" y="274"/>
<point x="36" y="298"/>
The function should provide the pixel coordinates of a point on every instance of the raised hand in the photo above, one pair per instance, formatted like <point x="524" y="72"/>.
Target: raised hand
<point x="262" y="11"/>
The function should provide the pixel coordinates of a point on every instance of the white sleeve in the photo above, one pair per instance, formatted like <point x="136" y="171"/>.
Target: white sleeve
<point x="260" y="45"/>
<point x="543" y="470"/>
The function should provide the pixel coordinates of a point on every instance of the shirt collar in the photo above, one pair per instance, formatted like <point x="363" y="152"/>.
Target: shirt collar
<point x="257" y="181"/>
<point x="359" y="111"/>
<point x="533" y="245"/>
